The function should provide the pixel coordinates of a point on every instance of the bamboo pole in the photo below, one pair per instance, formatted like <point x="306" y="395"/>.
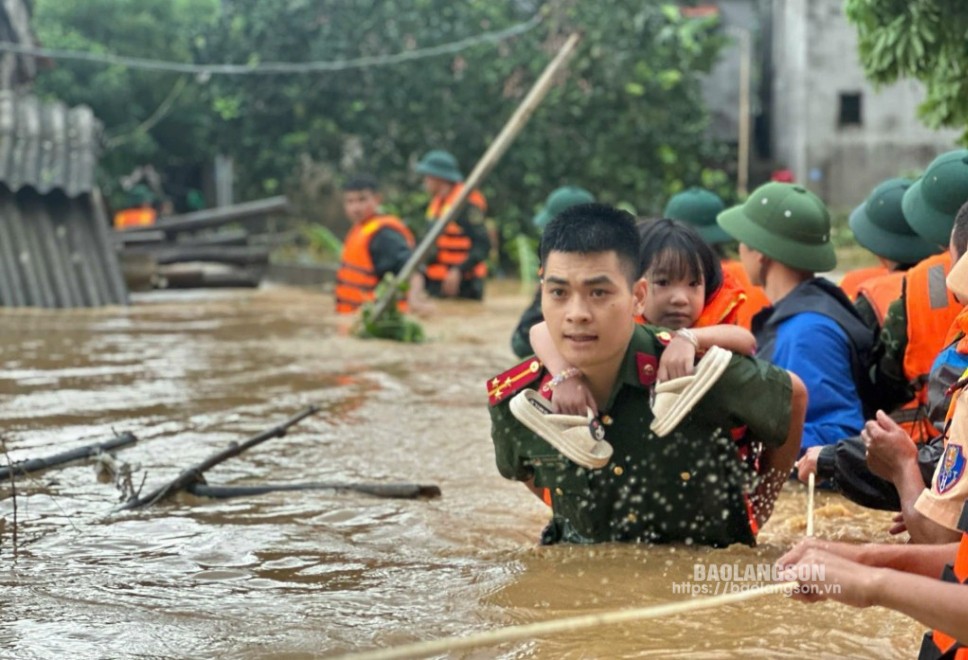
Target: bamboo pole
<point x="494" y="152"/>
<point x="569" y="624"/>
<point x="194" y="474"/>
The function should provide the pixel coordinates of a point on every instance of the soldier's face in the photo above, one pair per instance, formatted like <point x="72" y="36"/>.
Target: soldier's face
<point x="360" y="204"/>
<point x="589" y="307"/>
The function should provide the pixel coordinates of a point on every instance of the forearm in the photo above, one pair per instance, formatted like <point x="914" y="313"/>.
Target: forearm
<point x="777" y="462"/>
<point x="918" y="559"/>
<point x="908" y="481"/>
<point x="938" y="605"/>
<point x="731" y="337"/>
<point x="544" y="349"/>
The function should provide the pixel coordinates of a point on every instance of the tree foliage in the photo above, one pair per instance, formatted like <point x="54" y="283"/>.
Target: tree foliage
<point x="148" y="116"/>
<point x="626" y="120"/>
<point x="921" y="39"/>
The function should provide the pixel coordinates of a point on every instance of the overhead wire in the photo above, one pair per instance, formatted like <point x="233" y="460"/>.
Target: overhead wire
<point x="271" y="68"/>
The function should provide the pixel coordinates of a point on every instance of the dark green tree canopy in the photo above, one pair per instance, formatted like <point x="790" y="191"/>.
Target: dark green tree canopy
<point x="922" y="39"/>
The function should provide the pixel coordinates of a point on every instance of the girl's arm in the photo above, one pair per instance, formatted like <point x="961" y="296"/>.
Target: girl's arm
<point x="731" y="337"/>
<point x="679" y="357"/>
<point x="571" y="396"/>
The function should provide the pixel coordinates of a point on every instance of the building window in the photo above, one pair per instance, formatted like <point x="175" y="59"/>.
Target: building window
<point x="850" y="110"/>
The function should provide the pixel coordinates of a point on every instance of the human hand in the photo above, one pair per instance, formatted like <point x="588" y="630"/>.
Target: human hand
<point x="450" y="286"/>
<point x="677" y="360"/>
<point x="889" y="447"/>
<point x="824" y="575"/>
<point x="572" y="397"/>
<point x="807" y="464"/>
<point x="898" y="526"/>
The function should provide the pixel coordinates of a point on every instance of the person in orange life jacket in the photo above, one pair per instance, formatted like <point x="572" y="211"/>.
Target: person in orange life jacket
<point x="375" y="245"/>
<point x="846" y="463"/>
<point x="812" y="329"/>
<point x="904" y="577"/>
<point x="560" y="199"/>
<point x="684" y="289"/>
<point x="699" y="207"/>
<point x="457" y="266"/>
<point x="879" y="226"/>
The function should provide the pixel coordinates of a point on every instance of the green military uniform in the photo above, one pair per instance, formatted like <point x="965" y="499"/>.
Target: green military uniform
<point x="690" y="486"/>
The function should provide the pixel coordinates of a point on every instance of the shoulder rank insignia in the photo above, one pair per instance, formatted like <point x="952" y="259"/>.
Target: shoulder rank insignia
<point x="646" y="366"/>
<point x="513" y="380"/>
<point x="952" y="468"/>
<point x="663" y="337"/>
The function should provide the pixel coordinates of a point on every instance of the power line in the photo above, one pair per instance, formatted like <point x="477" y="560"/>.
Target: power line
<point x="271" y="67"/>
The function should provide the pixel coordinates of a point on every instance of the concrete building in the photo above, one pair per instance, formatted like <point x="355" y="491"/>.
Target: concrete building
<point x="839" y="135"/>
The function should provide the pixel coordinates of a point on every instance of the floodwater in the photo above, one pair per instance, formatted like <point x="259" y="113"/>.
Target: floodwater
<point x="318" y="573"/>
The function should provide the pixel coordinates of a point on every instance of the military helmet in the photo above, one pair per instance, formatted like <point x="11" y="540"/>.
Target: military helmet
<point x="879" y="225"/>
<point x="698" y="207"/>
<point x="787" y="223"/>
<point x="441" y="164"/>
<point x="559" y="200"/>
<point x="930" y="205"/>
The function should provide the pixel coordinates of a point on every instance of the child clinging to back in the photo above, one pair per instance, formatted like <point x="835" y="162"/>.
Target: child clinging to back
<point x="686" y="292"/>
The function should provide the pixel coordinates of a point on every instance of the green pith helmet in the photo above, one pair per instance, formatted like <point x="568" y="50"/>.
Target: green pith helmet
<point x="930" y="205"/>
<point x="879" y="225"/>
<point x="787" y="223"/>
<point x="440" y="164"/>
<point x="559" y="200"/>
<point x="698" y="207"/>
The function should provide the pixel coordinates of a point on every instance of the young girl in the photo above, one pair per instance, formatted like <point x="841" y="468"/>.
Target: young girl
<point x="686" y="292"/>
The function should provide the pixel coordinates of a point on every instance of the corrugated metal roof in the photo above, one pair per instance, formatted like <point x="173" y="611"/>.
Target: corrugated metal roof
<point x="46" y="145"/>
<point x="55" y="252"/>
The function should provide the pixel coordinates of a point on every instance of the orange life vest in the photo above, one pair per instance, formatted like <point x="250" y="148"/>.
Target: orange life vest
<point x="930" y="310"/>
<point x="880" y="292"/>
<point x="139" y="216"/>
<point x="851" y="282"/>
<point x="453" y="245"/>
<point x="356" y="278"/>
<point x="755" y="296"/>
<point x="936" y="644"/>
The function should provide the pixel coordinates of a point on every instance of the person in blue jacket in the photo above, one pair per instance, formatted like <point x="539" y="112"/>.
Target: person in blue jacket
<point x="811" y="327"/>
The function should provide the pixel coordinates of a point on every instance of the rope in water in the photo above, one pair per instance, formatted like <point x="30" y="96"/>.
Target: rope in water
<point x="570" y="624"/>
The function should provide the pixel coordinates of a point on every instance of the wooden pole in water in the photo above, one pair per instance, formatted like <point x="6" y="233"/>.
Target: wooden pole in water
<point x="811" y="484"/>
<point x="194" y="473"/>
<point x="481" y="170"/>
<point x="402" y="491"/>
<point x="569" y="624"/>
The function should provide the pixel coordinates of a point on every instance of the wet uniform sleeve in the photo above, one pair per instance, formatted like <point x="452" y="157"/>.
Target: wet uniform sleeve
<point x="471" y="220"/>
<point x="887" y="359"/>
<point x="756" y="394"/>
<point x="944" y="501"/>
<point x="513" y="443"/>
<point x="389" y="251"/>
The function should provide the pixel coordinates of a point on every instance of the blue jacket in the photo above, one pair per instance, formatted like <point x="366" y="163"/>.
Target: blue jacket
<point x="815" y="332"/>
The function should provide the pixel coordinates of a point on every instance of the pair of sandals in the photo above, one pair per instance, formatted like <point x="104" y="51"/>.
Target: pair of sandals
<point x="582" y="439"/>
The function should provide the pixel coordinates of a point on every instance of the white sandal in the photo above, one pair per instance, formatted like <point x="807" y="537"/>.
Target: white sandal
<point x="675" y="398"/>
<point x="581" y="439"/>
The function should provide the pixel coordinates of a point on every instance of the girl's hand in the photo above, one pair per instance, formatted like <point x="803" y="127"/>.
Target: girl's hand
<point x="572" y="397"/>
<point x="678" y="359"/>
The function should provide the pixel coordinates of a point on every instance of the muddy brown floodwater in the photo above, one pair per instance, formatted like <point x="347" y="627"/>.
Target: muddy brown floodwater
<point x="312" y="574"/>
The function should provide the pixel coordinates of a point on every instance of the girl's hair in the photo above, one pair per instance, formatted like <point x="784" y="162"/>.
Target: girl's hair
<point x="676" y="249"/>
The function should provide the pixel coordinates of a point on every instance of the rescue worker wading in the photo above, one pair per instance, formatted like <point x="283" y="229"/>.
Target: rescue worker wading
<point x="375" y="245"/>
<point x="457" y="267"/>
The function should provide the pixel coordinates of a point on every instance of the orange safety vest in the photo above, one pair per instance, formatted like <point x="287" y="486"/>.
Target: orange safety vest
<point x="936" y="644"/>
<point x="356" y="278"/>
<point x="755" y="296"/>
<point x="930" y="310"/>
<point x="851" y="282"/>
<point x="139" y="216"/>
<point x="880" y="292"/>
<point x="453" y="245"/>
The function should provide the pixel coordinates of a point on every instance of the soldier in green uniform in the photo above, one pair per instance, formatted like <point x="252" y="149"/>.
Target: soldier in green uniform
<point x="689" y="486"/>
